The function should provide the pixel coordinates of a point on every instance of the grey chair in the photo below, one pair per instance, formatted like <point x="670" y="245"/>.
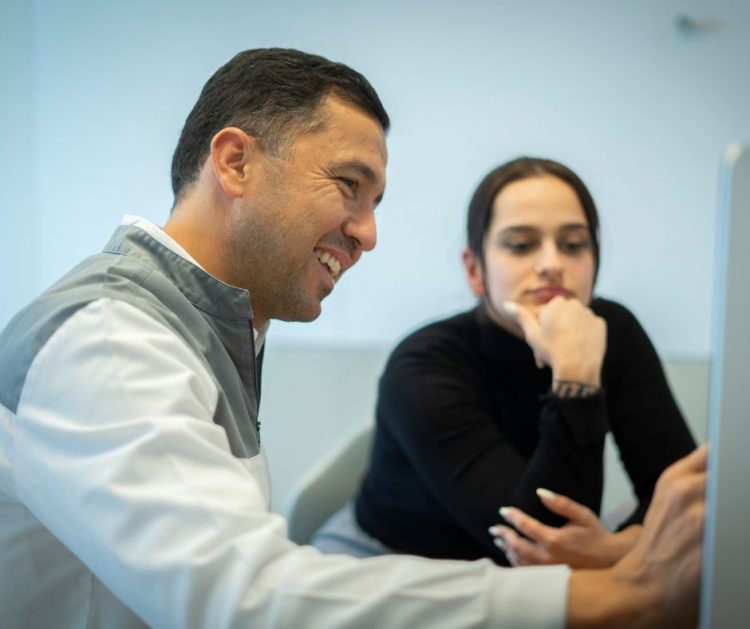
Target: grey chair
<point x="327" y="486"/>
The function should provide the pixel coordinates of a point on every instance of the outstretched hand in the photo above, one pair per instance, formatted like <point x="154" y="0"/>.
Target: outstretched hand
<point x="657" y="583"/>
<point x="666" y="559"/>
<point x="583" y="542"/>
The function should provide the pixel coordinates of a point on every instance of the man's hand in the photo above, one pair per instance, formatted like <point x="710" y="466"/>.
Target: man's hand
<point x="667" y="556"/>
<point x="583" y="542"/>
<point x="657" y="583"/>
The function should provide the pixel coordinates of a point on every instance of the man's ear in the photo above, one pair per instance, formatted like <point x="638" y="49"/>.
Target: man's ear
<point x="474" y="274"/>
<point x="234" y="154"/>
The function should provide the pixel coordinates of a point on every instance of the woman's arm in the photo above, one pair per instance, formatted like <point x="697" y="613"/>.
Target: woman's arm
<point x="651" y="434"/>
<point x="436" y="401"/>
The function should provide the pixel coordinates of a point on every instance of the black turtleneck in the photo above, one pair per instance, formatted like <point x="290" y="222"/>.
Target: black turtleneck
<point x="466" y="424"/>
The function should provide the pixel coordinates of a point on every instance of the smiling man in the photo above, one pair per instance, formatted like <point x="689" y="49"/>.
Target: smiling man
<point x="133" y="488"/>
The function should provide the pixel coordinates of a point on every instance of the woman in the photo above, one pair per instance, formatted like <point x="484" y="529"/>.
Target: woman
<point x="481" y="410"/>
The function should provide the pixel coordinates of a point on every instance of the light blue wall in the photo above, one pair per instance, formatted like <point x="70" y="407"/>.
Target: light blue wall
<point x="93" y="95"/>
<point x="18" y="194"/>
<point x="99" y="90"/>
<point x="614" y="89"/>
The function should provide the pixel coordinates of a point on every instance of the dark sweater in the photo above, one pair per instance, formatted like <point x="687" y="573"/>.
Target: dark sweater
<point x="466" y="424"/>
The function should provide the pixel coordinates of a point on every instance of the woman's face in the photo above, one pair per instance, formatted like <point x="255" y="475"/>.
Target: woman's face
<point x="537" y="247"/>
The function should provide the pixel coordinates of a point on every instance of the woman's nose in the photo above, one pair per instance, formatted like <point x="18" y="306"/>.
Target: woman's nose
<point x="549" y="263"/>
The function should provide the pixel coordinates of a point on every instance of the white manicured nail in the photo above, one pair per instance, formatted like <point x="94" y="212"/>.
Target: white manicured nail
<point x="510" y="307"/>
<point x="546" y="494"/>
<point x="505" y="512"/>
<point x="500" y="544"/>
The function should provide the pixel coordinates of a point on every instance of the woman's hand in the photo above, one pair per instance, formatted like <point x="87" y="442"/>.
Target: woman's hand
<point x="581" y="543"/>
<point x="567" y="336"/>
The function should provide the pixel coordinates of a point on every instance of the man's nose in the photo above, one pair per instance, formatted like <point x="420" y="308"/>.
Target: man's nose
<point x="362" y="228"/>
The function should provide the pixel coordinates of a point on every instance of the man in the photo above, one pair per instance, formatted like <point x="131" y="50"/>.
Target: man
<point x="132" y="483"/>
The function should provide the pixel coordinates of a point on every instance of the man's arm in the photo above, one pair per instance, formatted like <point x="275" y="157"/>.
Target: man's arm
<point x="117" y="455"/>
<point x="121" y="461"/>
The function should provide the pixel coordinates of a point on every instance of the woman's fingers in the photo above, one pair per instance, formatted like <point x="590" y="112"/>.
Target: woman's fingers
<point x="530" y="327"/>
<point x="582" y="542"/>
<point x="564" y="334"/>
<point x="530" y="527"/>
<point x="566" y="507"/>
<point x="523" y="316"/>
<point x="519" y="551"/>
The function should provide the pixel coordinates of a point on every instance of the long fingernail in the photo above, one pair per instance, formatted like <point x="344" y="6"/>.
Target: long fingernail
<point x="545" y="494"/>
<point x="505" y="512"/>
<point x="510" y="307"/>
<point x="494" y="530"/>
<point x="500" y="544"/>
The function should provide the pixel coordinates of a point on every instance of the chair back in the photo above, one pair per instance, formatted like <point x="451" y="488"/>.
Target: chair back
<point x="327" y="486"/>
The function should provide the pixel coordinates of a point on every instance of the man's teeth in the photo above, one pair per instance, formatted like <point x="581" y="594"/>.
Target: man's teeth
<point x="334" y="266"/>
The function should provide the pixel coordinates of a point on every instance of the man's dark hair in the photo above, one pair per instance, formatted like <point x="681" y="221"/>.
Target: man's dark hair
<point x="483" y="199"/>
<point x="273" y="94"/>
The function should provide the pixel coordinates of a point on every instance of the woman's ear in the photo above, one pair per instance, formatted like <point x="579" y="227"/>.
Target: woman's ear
<point x="233" y="155"/>
<point x="474" y="272"/>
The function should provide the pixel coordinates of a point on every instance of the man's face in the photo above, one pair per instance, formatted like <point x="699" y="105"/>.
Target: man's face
<point x="311" y="216"/>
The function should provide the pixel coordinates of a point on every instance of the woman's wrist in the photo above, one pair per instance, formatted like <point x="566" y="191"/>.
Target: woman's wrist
<point x="588" y="375"/>
<point x="565" y="388"/>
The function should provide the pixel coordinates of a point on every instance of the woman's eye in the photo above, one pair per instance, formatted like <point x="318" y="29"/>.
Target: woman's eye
<point x="518" y="246"/>
<point x="575" y="246"/>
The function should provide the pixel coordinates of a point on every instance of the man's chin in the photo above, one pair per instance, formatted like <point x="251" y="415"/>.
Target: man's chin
<point x="302" y="314"/>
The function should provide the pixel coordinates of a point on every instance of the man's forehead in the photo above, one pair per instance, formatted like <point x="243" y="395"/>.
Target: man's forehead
<point x="336" y="111"/>
<point x="348" y="138"/>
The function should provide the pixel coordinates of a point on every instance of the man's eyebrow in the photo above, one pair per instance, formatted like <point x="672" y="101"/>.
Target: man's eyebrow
<point x="362" y="168"/>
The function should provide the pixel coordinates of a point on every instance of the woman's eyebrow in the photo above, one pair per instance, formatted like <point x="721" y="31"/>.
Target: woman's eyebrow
<point x="526" y="229"/>
<point x="574" y="227"/>
<point x="519" y="229"/>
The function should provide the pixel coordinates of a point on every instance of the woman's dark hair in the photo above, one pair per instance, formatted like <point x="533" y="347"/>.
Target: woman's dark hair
<point x="483" y="199"/>
<point x="273" y="94"/>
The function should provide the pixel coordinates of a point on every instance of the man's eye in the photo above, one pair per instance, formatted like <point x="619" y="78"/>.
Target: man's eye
<point x="352" y="184"/>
